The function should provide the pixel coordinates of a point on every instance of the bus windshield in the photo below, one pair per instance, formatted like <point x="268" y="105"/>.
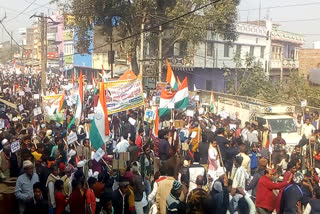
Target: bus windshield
<point x="282" y="125"/>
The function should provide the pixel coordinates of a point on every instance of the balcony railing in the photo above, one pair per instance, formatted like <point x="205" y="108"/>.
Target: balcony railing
<point x="285" y="63"/>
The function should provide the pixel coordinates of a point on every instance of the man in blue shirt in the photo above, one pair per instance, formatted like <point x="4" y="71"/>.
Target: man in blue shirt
<point x="24" y="185"/>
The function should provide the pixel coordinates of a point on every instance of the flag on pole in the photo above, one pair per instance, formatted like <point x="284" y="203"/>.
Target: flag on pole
<point x="156" y="123"/>
<point x="100" y="124"/>
<point x="179" y="82"/>
<point x="170" y="77"/>
<point x="77" y="117"/>
<point x="212" y="102"/>
<point x="104" y="75"/>
<point x="94" y="84"/>
<point x="62" y="102"/>
<point x="180" y="98"/>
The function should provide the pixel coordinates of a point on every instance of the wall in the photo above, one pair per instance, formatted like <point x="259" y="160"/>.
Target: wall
<point x="199" y="77"/>
<point x="249" y="35"/>
<point x="308" y="59"/>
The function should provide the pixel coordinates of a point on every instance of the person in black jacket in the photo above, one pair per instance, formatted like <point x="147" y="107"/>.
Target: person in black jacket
<point x="204" y="147"/>
<point x="292" y="196"/>
<point x="314" y="205"/>
<point x="120" y="197"/>
<point x="36" y="205"/>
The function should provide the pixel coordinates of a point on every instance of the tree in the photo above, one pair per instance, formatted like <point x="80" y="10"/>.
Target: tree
<point x="219" y="18"/>
<point x="250" y="80"/>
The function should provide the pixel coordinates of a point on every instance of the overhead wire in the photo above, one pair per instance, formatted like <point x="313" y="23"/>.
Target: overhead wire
<point x="9" y="34"/>
<point x="154" y="27"/>
<point x="24" y="10"/>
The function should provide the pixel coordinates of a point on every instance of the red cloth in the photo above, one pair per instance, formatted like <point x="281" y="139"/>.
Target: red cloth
<point x="286" y="177"/>
<point x="91" y="200"/>
<point x="60" y="202"/>
<point x="264" y="196"/>
<point x="139" y="143"/>
<point x="77" y="202"/>
<point x="95" y="100"/>
<point x="275" y="141"/>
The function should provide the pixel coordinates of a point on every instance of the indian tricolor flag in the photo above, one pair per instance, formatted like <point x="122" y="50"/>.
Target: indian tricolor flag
<point x="77" y="117"/>
<point x="171" y="78"/>
<point x="180" y="98"/>
<point x="212" y="102"/>
<point x="100" y="124"/>
<point x="104" y="75"/>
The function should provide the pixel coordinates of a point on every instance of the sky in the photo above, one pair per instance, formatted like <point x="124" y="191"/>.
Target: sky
<point x="303" y="19"/>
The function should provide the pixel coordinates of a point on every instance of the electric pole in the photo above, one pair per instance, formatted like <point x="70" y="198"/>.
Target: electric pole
<point x="141" y="45"/>
<point x="11" y="45"/>
<point x="43" y="38"/>
<point x="160" y="53"/>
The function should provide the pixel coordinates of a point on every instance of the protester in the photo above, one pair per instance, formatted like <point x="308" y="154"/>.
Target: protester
<point x="36" y="204"/>
<point x="196" y="197"/>
<point x="185" y="163"/>
<point x="256" y="177"/>
<point x="264" y="197"/>
<point x="120" y="197"/>
<point x="174" y="205"/>
<point x="292" y="196"/>
<point x="24" y="186"/>
<point x="60" y="199"/>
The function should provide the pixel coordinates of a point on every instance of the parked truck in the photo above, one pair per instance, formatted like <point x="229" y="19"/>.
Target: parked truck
<point x="277" y="117"/>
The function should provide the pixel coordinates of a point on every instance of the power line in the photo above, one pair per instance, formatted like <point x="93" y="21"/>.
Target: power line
<point x="299" y="20"/>
<point x="6" y="30"/>
<point x="282" y="6"/>
<point x="22" y="11"/>
<point x="164" y="23"/>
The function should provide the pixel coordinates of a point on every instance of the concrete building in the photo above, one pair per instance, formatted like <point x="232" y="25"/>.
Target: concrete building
<point x="206" y="69"/>
<point x="284" y="53"/>
<point x="275" y="49"/>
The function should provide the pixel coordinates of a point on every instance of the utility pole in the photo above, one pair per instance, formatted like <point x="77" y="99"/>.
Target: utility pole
<point x="141" y="45"/>
<point x="11" y="45"/>
<point x="160" y="53"/>
<point x="43" y="38"/>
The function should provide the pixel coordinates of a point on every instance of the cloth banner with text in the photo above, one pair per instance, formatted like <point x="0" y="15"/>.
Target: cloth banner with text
<point x="124" y="94"/>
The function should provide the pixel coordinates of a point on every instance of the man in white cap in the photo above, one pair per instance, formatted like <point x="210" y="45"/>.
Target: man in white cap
<point x="5" y="159"/>
<point x="24" y="185"/>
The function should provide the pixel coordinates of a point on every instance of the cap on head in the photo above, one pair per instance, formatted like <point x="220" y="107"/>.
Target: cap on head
<point x="298" y="177"/>
<point x="27" y="164"/>
<point x="4" y="142"/>
<point x="176" y="185"/>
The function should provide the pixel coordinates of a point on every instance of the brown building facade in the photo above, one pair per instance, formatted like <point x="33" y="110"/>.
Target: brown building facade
<point x="308" y="59"/>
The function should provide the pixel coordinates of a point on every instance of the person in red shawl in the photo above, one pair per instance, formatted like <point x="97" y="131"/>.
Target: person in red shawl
<point x="291" y="169"/>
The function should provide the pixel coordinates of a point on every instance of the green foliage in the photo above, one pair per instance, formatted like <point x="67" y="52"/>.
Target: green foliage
<point x="219" y="18"/>
<point x="250" y="80"/>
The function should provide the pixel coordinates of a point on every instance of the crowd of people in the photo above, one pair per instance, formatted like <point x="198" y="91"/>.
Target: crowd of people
<point x="210" y="164"/>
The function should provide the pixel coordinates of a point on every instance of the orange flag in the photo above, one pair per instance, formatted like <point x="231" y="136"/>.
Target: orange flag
<point x="81" y="87"/>
<point x="61" y="102"/>
<point x="103" y="102"/>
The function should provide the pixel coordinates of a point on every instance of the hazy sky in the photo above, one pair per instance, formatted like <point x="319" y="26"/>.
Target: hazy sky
<point x="286" y="14"/>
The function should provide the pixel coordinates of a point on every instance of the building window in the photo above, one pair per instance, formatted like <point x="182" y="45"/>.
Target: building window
<point x="251" y="53"/>
<point x="208" y="85"/>
<point x="226" y="50"/>
<point x="238" y="50"/>
<point x="262" y="52"/>
<point x="210" y="48"/>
